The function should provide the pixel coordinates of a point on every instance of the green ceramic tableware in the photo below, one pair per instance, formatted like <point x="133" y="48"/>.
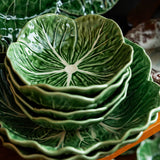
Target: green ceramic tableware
<point x="86" y="59"/>
<point x="68" y="102"/>
<point x="70" y="54"/>
<point x="104" y="151"/>
<point x="40" y="111"/>
<point x="149" y="149"/>
<point x="15" y="14"/>
<point x="133" y="115"/>
<point x="86" y="118"/>
<point x="51" y="137"/>
<point x="28" y="152"/>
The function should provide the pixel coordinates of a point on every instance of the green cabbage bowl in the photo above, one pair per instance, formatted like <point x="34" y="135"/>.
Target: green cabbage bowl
<point x="67" y="102"/>
<point x="67" y="54"/>
<point x="55" y="51"/>
<point x="91" y="143"/>
<point x="81" y="114"/>
<point x="69" y="120"/>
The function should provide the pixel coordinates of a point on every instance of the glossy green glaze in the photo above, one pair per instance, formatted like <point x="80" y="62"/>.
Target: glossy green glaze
<point x="15" y="14"/>
<point x="61" y="52"/>
<point x="92" y="93"/>
<point x="134" y="114"/>
<point x="60" y="101"/>
<point x="77" y="119"/>
<point x="27" y="152"/>
<point x="81" y="114"/>
<point x="149" y="149"/>
<point x="23" y="133"/>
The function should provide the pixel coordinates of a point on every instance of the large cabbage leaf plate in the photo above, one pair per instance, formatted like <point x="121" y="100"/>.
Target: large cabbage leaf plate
<point x="68" y="54"/>
<point x="133" y="114"/>
<point x="28" y="152"/>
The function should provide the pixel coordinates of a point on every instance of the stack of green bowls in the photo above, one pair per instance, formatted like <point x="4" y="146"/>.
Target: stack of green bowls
<point x="75" y="89"/>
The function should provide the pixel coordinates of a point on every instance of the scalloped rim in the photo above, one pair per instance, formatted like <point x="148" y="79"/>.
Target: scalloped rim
<point x="67" y="95"/>
<point x="76" y="157"/>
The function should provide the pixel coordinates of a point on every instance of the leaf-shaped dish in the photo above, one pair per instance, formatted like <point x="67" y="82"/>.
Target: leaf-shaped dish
<point x="15" y="14"/>
<point x="28" y="152"/>
<point x="51" y="152"/>
<point x="133" y="114"/>
<point x="149" y="149"/>
<point x="68" y="102"/>
<point x="63" y="53"/>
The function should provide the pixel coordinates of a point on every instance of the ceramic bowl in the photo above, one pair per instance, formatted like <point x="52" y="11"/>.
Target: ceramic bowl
<point x="70" y="120"/>
<point x="72" y="56"/>
<point x="99" y="151"/>
<point x="82" y="114"/>
<point x="147" y="35"/>
<point x="66" y="102"/>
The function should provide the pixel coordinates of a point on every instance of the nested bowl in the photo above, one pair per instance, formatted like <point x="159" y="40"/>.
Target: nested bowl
<point x="51" y="118"/>
<point x="60" y="101"/>
<point x="80" y="114"/>
<point x="78" y="57"/>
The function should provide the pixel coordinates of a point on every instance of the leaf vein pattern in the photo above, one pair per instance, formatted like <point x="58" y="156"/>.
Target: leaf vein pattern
<point x="4" y="3"/>
<point x="69" y="77"/>
<point x="50" y="57"/>
<point x="60" y="47"/>
<point x="44" y="73"/>
<point x="27" y="5"/>
<point x="61" y="139"/>
<point x="109" y="128"/>
<point x="53" y="49"/>
<point x="87" y="72"/>
<point x="10" y="7"/>
<point x="92" y="48"/>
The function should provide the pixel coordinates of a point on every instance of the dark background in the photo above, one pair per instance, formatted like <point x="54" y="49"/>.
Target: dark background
<point x="129" y="13"/>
